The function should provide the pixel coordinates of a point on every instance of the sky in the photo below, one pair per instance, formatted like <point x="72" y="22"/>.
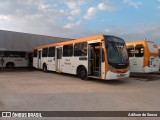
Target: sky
<point x="128" y="19"/>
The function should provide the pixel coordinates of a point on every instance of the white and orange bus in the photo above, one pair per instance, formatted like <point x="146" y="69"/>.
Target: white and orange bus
<point x="143" y="56"/>
<point x="104" y="57"/>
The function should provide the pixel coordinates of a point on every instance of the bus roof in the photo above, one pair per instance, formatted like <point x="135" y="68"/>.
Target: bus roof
<point x="73" y="41"/>
<point x="138" y="42"/>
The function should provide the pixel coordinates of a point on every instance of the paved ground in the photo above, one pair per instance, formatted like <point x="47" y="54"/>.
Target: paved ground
<point x="24" y="90"/>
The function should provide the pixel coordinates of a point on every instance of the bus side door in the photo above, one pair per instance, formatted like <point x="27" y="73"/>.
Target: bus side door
<point x="58" y="59"/>
<point x="96" y="66"/>
<point x="39" y="59"/>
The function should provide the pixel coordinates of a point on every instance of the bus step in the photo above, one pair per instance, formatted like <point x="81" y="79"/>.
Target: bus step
<point x="93" y="76"/>
<point x="58" y="71"/>
<point x="96" y="73"/>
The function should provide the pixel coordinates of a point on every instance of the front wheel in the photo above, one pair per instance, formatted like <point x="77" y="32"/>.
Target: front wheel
<point x="82" y="73"/>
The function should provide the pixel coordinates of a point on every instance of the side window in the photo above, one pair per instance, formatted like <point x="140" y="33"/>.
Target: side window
<point x="1" y="53"/>
<point x="39" y="54"/>
<point x="51" y="52"/>
<point x="80" y="49"/>
<point x="10" y="54"/>
<point x="131" y="51"/>
<point x="35" y="53"/>
<point x="45" y="52"/>
<point x="139" y="50"/>
<point x="20" y="54"/>
<point x="7" y="53"/>
<point x="67" y="50"/>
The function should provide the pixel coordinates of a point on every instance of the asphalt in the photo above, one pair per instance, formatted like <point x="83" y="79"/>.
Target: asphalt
<point x="33" y="90"/>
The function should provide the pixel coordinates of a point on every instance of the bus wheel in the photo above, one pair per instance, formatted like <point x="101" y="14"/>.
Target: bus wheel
<point x="82" y="73"/>
<point x="10" y="65"/>
<point x="45" y="68"/>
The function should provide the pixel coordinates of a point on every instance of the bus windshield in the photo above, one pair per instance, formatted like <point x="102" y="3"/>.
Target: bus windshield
<point x="117" y="52"/>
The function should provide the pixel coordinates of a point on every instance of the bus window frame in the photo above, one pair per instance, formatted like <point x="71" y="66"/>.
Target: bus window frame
<point x="68" y="50"/>
<point x="45" y="52"/>
<point x="51" y="54"/>
<point x="139" y="54"/>
<point x="133" y="48"/>
<point x="81" y="50"/>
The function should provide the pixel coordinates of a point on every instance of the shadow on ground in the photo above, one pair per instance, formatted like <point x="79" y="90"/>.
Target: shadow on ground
<point x="146" y="76"/>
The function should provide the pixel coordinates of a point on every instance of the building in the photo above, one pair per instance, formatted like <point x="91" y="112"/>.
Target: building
<point x="16" y="41"/>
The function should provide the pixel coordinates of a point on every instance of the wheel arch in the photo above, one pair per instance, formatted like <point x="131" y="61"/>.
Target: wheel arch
<point x="10" y="63"/>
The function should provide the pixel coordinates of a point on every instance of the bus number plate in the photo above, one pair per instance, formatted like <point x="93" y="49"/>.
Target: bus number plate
<point x="121" y="75"/>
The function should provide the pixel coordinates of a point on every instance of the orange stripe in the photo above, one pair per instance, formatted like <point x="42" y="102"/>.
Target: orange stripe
<point x="73" y="41"/>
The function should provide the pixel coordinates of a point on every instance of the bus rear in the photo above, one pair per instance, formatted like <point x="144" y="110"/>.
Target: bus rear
<point x="143" y="56"/>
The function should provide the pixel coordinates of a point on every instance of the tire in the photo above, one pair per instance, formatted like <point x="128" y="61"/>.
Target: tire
<point x="10" y="65"/>
<point x="82" y="73"/>
<point x="45" y="68"/>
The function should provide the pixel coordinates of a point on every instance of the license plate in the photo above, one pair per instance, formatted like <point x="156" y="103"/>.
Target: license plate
<point x="121" y="75"/>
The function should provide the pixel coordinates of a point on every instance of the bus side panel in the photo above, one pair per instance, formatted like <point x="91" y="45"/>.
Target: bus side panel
<point x="136" y="64"/>
<point x="70" y="64"/>
<point x="35" y="62"/>
<point x="50" y="61"/>
<point x="20" y="62"/>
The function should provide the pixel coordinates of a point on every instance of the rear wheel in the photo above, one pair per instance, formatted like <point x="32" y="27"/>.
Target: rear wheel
<point x="45" y="68"/>
<point x="10" y="65"/>
<point x="82" y="73"/>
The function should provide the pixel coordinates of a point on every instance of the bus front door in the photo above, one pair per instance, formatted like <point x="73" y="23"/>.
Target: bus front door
<point x="39" y="59"/>
<point x="95" y="60"/>
<point x="58" y="59"/>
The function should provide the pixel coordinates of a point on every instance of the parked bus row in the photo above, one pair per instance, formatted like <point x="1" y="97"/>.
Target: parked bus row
<point x="103" y="56"/>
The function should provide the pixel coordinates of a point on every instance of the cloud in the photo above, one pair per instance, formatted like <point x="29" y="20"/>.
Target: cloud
<point x="75" y="12"/>
<point x="100" y="7"/>
<point x="107" y="30"/>
<point x="3" y="17"/>
<point x="90" y="12"/>
<point x="108" y="7"/>
<point x="71" y="4"/>
<point x="70" y="18"/>
<point x="74" y="4"/>
<point x="71" y="25"/>
<point x="134" y="4"/>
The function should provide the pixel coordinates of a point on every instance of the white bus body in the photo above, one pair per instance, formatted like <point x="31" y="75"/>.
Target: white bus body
<point x="12" y="59"/>
<point x="75" y="57"/>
